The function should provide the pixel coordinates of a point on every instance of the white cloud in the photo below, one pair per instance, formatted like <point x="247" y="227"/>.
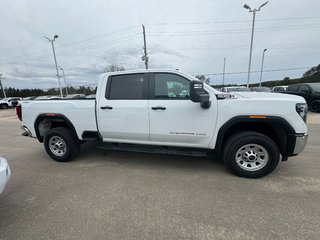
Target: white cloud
<point x="193" y="36"/>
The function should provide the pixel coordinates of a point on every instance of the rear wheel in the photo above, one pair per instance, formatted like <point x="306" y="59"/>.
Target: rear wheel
<point x="315" y="106"/>
<point x="61" y="144"/>
<point x="251" y="154"/>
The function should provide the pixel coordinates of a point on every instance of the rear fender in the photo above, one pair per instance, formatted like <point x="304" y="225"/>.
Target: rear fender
<point x="46" y="121"/>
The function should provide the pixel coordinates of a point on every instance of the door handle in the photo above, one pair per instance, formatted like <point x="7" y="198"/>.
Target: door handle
<point x="106" y="107"/>
<point x="158" y="108"/>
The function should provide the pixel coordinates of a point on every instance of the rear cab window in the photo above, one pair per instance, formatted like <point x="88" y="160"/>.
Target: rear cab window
<point x="127" y="87"/>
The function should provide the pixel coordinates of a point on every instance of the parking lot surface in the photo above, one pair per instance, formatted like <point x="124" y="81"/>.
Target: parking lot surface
<point x="121" y="195"/>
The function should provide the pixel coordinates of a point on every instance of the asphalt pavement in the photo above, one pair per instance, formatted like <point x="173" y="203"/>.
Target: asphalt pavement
<point x="122" y="195"/>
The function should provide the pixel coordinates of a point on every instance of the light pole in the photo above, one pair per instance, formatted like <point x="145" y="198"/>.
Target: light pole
<point x="262" y="66"/>
<point x="1" y="78"/>
<point x="252" y="34"/>
<point x="145" y="57"/>
<point x="64" y="79"/>
<point x="224" y="70"/>
<point x="55" y="60"/>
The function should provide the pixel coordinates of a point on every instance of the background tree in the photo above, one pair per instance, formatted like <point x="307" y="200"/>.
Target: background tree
<point x="286" y="81"/>
<point x="312" y="75"/>
<point x="114" y="68"/>
<point x="203" y="78"/>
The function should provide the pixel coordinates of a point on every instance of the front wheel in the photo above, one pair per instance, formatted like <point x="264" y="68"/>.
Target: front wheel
<point x="315" y="106"/>
<point x="61" y="144"/>
<point x="251" y="154"/>
<point x="4" y="106"/>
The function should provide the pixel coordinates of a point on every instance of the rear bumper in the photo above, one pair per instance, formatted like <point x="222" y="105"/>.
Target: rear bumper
<point x="26" y="132"/>
<point x="5" y="173"/>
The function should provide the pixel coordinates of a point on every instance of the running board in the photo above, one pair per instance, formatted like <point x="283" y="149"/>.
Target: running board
<point x="153" y="149"/>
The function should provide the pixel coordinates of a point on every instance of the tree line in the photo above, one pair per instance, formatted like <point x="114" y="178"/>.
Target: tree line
<point x="35" y="92"/>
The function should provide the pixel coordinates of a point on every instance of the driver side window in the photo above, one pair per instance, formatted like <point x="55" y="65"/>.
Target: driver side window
<point x="171" y="86"/>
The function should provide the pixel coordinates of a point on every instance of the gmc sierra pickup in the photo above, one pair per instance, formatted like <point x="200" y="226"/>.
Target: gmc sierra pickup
<point x="172" y="112"/>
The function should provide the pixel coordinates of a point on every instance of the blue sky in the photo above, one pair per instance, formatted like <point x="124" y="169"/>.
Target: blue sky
<point x="193" y="36"/>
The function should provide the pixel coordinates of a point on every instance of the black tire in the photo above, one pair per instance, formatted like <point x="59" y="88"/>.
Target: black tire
<point x="315" y="106"/>
<point x="251" y="154"/>
<point x="61" y="144"/>
<point x="4" y="106"/>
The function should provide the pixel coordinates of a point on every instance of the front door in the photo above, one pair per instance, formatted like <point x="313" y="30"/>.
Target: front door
<point x="174" y="118"/>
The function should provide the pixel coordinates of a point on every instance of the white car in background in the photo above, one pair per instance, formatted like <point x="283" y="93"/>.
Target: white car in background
<point x="9" y="102"/>
<point x="5" y="103"/>
<point x="5" y="173"/>
<point x="279" y="89"/>
<point x="235" y="89"/>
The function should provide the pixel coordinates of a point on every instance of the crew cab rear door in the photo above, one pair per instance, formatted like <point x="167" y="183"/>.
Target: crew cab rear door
<point x="122" y="108"/>
<point x="174" y="119"/>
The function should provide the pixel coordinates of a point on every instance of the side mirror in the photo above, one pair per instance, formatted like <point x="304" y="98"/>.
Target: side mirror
<point x="198" y="94"/>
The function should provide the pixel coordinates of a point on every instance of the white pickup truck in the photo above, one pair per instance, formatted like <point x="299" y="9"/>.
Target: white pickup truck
<point x="172" y="112"/>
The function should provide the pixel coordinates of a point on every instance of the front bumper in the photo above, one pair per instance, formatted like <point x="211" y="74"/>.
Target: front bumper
<point x="296" y="144"/>
<point x="301" y="141"/>
<point x="5" y="173"/>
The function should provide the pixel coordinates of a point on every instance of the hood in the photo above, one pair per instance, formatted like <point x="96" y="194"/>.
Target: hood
<point x="269" y="96"/>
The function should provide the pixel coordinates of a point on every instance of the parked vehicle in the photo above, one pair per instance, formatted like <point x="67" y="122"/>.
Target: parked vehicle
<point x="9" y="102"/>
<point x="310" y="92"/>
<point x="279" y="89"/>
<point x="260" y="89"/>
<point x="172" y="112"/>
<point x="4" y="103"/>
<point x="91" y="96"/>
<point x="75" y="96"/>
<point x="5" y="173"/>
<point x="48" y="97"/>
<point x="235" y="89"/>
<point x="29" y="98"/>
<point x="14" y="100"/>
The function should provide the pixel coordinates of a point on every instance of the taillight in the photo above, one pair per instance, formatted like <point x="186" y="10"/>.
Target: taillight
<point x="19" y="112"/>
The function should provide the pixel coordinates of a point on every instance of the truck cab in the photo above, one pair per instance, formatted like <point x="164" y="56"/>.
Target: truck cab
<point x="154" y="108"/>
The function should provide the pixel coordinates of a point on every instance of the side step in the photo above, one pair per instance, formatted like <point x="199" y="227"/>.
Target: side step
<point x="153" y="149"/>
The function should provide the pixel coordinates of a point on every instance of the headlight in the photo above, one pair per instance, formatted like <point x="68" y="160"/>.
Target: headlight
<point x="302" y="110"/>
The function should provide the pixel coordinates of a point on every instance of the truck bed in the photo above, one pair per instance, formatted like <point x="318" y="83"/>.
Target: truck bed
<point x="81" y="112"/>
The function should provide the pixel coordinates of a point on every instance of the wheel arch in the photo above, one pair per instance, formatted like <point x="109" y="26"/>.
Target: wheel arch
<point x="276" y="128"/>
<point x="314" y="97"/>
<point x="46" y="121"/>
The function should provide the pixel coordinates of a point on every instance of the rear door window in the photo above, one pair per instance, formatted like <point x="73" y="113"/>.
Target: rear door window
<point x="126" y="87"/>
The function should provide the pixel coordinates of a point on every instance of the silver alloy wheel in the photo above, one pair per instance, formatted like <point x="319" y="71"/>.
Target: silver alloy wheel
<point x="252" y="157"/>
<point x="57" y="146"/>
